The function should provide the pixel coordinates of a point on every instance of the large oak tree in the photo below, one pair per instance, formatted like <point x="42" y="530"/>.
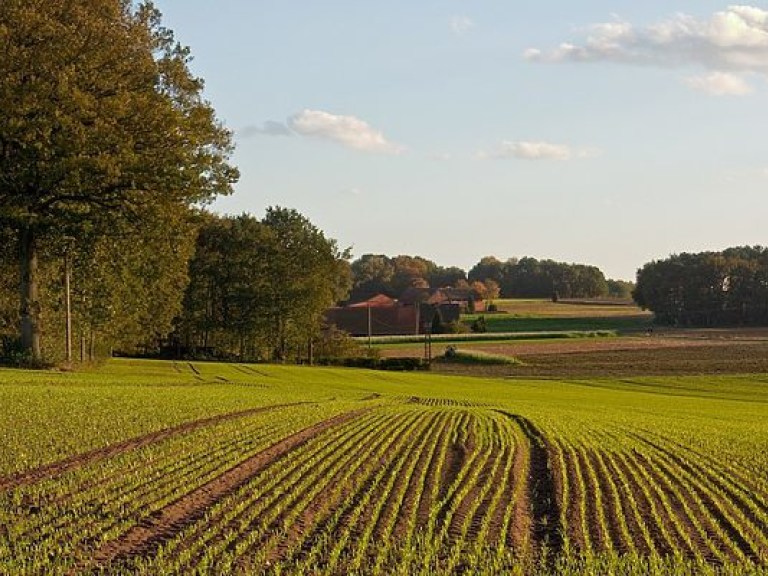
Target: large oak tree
<point x="101" y="121"/>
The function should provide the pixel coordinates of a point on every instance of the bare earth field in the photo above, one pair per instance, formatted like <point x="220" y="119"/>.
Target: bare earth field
<point x="735" y="351"/>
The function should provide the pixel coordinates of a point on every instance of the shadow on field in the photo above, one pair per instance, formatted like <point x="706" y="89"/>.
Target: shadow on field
<point x="541" y="488"/>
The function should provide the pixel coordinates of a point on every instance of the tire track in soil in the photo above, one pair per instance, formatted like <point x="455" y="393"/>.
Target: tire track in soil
<point x="169" y="521"/>
<point x="545" y="508"/>
<point x="250" y="370"/>
<point x="59" y="467"/>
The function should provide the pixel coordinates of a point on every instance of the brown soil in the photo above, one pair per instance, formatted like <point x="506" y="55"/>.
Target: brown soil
<point x="542" y="494"/>
<point x="689" y="359"/>
<point x="56" y="468"/>
<point x="666" y="351"/>
<point x="176" y="516"/>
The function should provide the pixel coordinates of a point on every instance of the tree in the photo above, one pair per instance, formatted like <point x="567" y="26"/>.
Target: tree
<point x="489" y="268"/>
<point x="303" y="277"/>
<point x="101" y="122"/>
<point x="620" y="289"/>
<point x="411" y="272"/>
<point x="259" y="288"/>
<point x="707" y="288"/>
<point x="442" y="277"/>
<point x="372" y="274"/>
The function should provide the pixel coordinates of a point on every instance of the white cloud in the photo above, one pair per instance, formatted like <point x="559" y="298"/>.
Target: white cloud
<point x="461" y="25"/>
<point x="527" y="150"/>
<point x="348" y="131"/>
<point x="720" y="84"/>
<point x="733" y="41"/>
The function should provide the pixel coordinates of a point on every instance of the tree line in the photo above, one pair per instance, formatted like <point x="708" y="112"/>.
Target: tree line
<point x="728" y="287"/>
<point x="489" y="278"/>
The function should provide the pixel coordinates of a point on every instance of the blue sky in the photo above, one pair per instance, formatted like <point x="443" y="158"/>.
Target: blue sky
<point x="607" y="133"/>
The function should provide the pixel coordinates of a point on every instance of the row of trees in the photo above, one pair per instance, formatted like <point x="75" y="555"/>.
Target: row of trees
<point x="258" y="288"/>
<point x="532" y="278"/>
<point x="230" y="286"/>
<point x="707" y="288"/>
<point x="491" y="277"/>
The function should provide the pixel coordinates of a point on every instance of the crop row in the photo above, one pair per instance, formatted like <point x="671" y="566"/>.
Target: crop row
<point x="658" y="499"/>
<point x="394" y="489"/>
<point x="422" y="485"/>
<point x="60" y="521"/>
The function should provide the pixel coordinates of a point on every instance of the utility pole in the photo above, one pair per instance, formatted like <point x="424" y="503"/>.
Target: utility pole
<point x="369" y="327"/>
<point x="428" y="342"/>
<point x="68" y="308"/>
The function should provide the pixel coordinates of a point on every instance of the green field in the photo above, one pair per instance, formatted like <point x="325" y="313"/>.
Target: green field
<point x="521" y="315"/>
<point x="163" y="468"/>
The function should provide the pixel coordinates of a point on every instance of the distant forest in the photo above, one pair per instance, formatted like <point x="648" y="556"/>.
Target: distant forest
<point x="490" y="278"/>
<point x="707" y="288"/>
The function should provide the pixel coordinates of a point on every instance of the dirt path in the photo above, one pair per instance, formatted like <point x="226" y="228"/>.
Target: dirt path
<point x="78" y="460"/>
<point x="170" y="520"/>
<point x="542" y="493"/>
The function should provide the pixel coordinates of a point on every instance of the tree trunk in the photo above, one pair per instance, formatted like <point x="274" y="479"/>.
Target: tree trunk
<point x="29" y="298"/>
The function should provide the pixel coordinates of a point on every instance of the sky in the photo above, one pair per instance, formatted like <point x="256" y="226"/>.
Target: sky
<point x="605" y="133"/>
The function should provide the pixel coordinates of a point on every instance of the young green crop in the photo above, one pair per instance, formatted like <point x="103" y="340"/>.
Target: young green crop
<point x="398" y="474"/>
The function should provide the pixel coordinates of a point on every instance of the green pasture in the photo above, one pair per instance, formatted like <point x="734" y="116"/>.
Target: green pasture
<point x="517" y="323"/>
<point x="538" y="315"/>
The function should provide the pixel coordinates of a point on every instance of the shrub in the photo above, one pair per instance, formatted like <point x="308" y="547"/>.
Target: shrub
<point x="453" y="354"/>
<point x="479" y="326"/>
